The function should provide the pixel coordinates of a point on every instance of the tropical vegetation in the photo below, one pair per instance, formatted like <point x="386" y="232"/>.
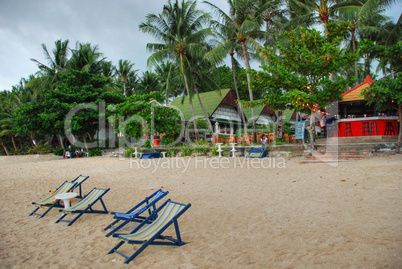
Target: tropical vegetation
<point x="304" y="52"/>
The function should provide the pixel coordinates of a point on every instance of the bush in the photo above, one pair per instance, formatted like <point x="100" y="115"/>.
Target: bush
<point x="128" y="152"/>
<point x="95" y="152"/>
<point x="58" y="151"/>
<point x="167" y="141"/>
<point x="147" y="144"/>
<point x="185" y="151"/>
<point x="171" y="153"/>
<point x="214" y="151"/>
<point x="200" y="149"/>
<point x="40" y="149"/>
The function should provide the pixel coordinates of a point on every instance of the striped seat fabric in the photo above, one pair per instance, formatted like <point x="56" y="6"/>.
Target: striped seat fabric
<point x="169" y="212"/>
<point x="65" y="187"/>
<point x="87" y="200"/>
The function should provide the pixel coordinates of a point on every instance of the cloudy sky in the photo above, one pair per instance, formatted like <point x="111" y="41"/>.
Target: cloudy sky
<point x="110" y="24"/>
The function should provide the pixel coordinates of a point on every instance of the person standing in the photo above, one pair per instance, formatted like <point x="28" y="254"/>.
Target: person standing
<point x="264" y="141"/>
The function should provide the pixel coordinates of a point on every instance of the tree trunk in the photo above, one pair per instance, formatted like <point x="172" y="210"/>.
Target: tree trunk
<point x="202" y="106"/>
<point x="12" y="140"/>
<point x="191" y="106"/>
<point x="5" y="148"/>
<point x="352" y="31"/>
<point x="311" y="130"/>
<point x="237" y="94"/>
<point x="61" y="141"/>
<point x="124" y="89"/>
<point x="85" y="142"/>
<point x="398" y="145"/>
<point x="243" y="45"/>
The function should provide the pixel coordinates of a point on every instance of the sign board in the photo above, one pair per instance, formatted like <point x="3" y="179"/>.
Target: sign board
<point x="299" y="132"/>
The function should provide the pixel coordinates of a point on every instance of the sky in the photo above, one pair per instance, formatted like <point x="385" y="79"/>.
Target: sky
<point x="110" y="24"/>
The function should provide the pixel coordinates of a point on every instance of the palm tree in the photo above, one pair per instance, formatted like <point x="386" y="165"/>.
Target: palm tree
<point x="243" y="21"/>
<point x="273" y="15"/>
<point x="149" y="82"/>
<point x="180" y="29"/>
<point x="363" y="18"/>
<point x="48" y="75"/>
<point x="169" y="79"/>
<point x="227" y="45"/>
<point x="86" y="58"/>
<point x="123" y="69"/>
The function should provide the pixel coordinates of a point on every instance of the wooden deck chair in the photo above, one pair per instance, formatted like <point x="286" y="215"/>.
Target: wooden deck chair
<point x="51" y="201"/>
<point x="134" y="214"/>
<point x="85" y="205"/>
<point x="79" y="180"/>
<point x="147" y="234"/>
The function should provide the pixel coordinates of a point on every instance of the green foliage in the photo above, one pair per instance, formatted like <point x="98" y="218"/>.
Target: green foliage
<point x="128" y="152"/>
<point x="95" y="152"/>
<point x="299" y="75"/>
<point x="214" y="151"/>
<point x="147" y="144"/>
<point x="40" y="149"/>
<point x="47" y="115"/>
<point x="171" y="152"/>
<point x="201" y="124"/>
<point x="167" y="141"/>
<point x="136" y="114"/>
<point x="185" y="151"/>
<point x="58" y="151"/>
<point x="200" y="149"/>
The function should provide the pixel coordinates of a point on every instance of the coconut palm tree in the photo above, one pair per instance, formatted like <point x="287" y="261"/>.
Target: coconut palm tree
<point x="169" y="79"/>
<point x="124" y="68"/>
<point x="57" y="61"/>
<point x="244" y="21"/>
<point x="364" y="18"/>
<point x="149" y="82"/>
<point x="86" y="57"/>
<point x="180" y="28"/>
<point x="226" y="44"/>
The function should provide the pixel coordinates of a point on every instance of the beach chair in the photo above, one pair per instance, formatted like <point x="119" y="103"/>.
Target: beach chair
<point x="134" y="214"/>
<point x="256" y="153"/>
<point x="78" y="181"/>
<point x="51" y="201"/>
<point x="85" y="205"/>
<point x="150" y="155"/>
<point x="146" y="234"/>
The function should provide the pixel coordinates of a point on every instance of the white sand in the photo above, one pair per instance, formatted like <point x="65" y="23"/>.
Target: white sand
<point x="301" y="216"/>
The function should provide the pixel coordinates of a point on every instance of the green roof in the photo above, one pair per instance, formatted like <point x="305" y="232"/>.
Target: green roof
<point x="257" y="111"/>
<point x="210" y="101"/>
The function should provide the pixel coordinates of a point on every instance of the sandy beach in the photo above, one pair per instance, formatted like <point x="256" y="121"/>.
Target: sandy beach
<point x="270" y="213"/>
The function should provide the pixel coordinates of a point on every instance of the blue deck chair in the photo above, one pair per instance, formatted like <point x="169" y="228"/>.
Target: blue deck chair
<point x="256" y="153"/>
<point x="78" y="181"/>
<point x="85" y="205"/>
<point x="51" y="201"/>
<point x="146" y="234"/>
<point x="150" y="155"/>
<point x="134" y="214"/>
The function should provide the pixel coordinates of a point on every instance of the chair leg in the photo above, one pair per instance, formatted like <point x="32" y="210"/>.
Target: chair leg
<point x="116" y="247"/>
<point x="117" y="228"/>
<point x="33" y="212"/>
<point x="132" y="257"/>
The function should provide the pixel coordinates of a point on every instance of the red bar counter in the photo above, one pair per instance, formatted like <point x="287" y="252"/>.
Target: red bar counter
<point x="356" y="125"/>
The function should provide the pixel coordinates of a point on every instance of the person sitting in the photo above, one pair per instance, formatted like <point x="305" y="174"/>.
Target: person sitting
<point x="264" y="141"/>
<point x="77" y="154"/>
<point x="67" y="154"/>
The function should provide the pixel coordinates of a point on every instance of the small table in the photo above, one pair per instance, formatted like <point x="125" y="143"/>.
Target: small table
<point x="66" y="198"/>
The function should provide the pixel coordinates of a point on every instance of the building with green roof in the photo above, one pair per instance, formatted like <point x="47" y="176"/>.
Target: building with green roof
<point x="222" y="110"/>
